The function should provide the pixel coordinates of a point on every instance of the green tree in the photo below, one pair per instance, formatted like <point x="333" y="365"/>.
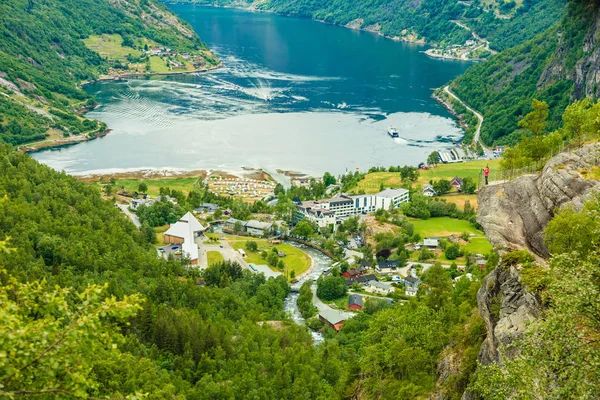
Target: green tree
<point x="47" y="332"/>
<point x="142" y="187"/>
<point x="331" y="287"/>
<point x="252" y="246"/>
<point x="305" y="303"/>
<point x="238" y="227"/>
<point x="440" y="287"/>
<point x="469" y="185"/>
<point x="537" y="120"/>
<point x="433" y="158"/>
<point x="328" y="179"/>
<point x="442" y="186"/>
<point x="581" y="119"/>
<point x="452" y="251"/>
<point x="303" y="229"/>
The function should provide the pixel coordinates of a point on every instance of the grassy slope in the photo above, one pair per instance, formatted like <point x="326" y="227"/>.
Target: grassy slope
<point x="503" y="87"/>
<point x="373" y="181"/>
<point x="44" y="59"/>
<point x="295" y="260"/>
<point x="444" y="227"/>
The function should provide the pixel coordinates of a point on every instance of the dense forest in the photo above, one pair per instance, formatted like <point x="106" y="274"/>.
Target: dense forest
<point x="129" y="322"/>
<point x="556" y="67"/>
<point x="43" y="59"/>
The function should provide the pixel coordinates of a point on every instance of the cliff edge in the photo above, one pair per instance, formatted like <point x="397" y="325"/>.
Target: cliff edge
<point x="515" y="214"/>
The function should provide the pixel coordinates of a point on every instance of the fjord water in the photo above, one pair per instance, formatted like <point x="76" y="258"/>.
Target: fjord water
<point x="292" y="94"/>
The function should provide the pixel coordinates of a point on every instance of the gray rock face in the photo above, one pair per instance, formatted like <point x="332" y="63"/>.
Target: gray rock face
<point x="514" y="214"/>
<point x="506" y="309"/>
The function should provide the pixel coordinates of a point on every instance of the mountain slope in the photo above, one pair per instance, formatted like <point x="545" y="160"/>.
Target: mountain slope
<point x="557" y="66"/>
<point x="432" y="21"/>
<point x="43" y="57"/>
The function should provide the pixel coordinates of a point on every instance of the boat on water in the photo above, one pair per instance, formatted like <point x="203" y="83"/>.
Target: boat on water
<point x="393" y="132"/>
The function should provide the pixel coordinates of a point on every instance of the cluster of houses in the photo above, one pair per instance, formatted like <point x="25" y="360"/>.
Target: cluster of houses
<point x="160" y="51"/>
<point x="371" y="284"/>
<point x="329" y="212"/>
<point x="429" y="191"/>
<point x="144" y="200"/>
<point x="244" y="187"/>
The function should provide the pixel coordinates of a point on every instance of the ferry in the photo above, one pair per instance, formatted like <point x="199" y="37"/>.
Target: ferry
<point x="393" y="132"/>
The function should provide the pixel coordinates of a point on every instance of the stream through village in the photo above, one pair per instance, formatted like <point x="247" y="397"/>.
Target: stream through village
<point x="320" y="263"/>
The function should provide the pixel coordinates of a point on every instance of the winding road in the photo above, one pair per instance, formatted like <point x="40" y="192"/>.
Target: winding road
<point x="476" y="139"/>
<point x="134" y="218"/>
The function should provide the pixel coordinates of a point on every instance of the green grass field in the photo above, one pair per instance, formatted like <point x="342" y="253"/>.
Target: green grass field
<point x="295" y="259"/>
<point x="449" y="171"/>
<point x="373" y="181"/>
<point x="479" y="245"/>
<point x="443" y="227"/>
<point x="158" y="65"/>
<point x="214" y="257"/>
<point x="154" y="185"/>
<point x="110" y="46"/>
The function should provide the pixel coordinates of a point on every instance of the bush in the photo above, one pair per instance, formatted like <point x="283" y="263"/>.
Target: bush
<point x="331" y="287"/>
<point x="452" y="252"/>
<point x="252" y="246"/>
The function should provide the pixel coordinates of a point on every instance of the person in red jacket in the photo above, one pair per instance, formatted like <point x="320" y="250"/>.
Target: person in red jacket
<point x="486" y="173"/>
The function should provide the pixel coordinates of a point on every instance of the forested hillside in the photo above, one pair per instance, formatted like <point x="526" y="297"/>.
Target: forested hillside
<point x="557" y="66"/>
<point x="151" y="327"/>
<point x="504" y="23"/>
<point x="43" y="58"/>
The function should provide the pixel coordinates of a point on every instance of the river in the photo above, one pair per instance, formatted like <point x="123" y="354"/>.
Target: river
<point x="292" y="94"/>
<point x="320" y="264"/>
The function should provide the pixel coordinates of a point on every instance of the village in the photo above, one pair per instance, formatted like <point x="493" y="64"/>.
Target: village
<point x="363" y="241"/>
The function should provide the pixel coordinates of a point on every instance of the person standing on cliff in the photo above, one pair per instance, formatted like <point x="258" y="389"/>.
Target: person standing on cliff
<point x="486" y="173"/>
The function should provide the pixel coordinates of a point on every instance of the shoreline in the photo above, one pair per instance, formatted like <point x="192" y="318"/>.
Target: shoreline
<point x="42" y="145"/>
<point x="347" y="26"/>
<point x="146" y="75"/>
<point x="430" y="53"/>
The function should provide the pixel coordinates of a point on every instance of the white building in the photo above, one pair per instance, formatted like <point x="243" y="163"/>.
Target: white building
<point x="429" y="191"/>
<point x="379" y="287"/>
<point x="330" y="211"/>
<point x="184" y="232"/>
<point x="257" y="228"/>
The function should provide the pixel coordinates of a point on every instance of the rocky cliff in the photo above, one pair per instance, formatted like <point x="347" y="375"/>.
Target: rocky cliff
<point x="514" y="214"/>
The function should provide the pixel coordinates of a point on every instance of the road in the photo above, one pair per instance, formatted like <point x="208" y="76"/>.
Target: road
<point x="479" y="117"/>
<point x="223" y="247"/>
<point x="125" y="209"/>
<point x="322" y="306"/>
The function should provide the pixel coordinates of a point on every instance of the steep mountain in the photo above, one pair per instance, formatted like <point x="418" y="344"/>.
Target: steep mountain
<point x="48" y="47"/>
<point x="557" y="66"/>
<point x="432" y="21"/>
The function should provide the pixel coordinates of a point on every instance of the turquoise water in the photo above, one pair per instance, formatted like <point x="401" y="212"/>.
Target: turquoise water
<point x="292" y="94"/>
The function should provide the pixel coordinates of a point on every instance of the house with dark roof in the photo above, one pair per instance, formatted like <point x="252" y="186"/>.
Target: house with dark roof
<point x="428" y="190"/>
<point x="206" y="207"/>
<point x="387" y="266"/>
<point x="411" y="281"/>
<point x="355" y="302"/>
<point x="361" y="280"/>
<point x="353" y="272"/>
<point x="457" y="183"/>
